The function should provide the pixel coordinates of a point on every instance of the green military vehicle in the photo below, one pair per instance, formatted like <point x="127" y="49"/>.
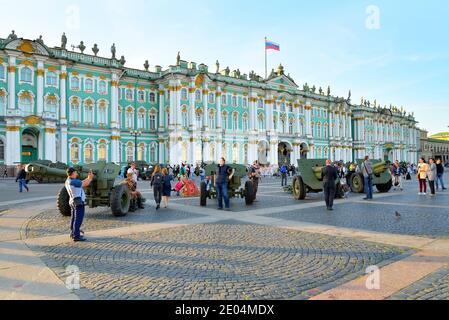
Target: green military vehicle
<point x="37" y="171"/>
<point x="235" y="188"/>
<point x="382" y="178"/>
<point x="309" y="179"/>
<point x="106" y="190"/>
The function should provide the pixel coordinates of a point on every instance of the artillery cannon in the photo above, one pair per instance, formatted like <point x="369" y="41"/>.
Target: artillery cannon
<point x="381" y="177"/>
<point x="309" y="179"/>
<point x="104" y="191"/>
<point x="235" y="188"/>
<point x="39" y="171"/>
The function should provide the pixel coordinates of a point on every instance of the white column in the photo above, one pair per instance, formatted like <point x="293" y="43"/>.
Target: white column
<point x="331" y="124"/>
<point x="115" y="132"/>
<point x="218" y="104"/>
<point x="40" y="88"/>
<point x="63" y="114"/>
<point x="50" y="144"/>
<point x="64" y="145"/>
<point x="252" y="114"/>
<point x="205" y="110"/>
<point x="12" y="83"/>
<point x="192" y="108"/>
<point x="13" y="143"/>
<point x="161" y="151"/>
<point x="344" y="119"/>
<point x="297" y="123"/>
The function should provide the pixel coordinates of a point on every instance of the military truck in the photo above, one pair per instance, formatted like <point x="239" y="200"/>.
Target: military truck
<point x="106" y="190"/>
<point x="382" y="178"/>
<point x="37" y="171"/>
<point x="309" y="179"/>
<point x="235" y="188"/>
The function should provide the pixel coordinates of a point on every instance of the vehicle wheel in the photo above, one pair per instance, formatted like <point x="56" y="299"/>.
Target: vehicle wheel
<point x="357" y="183"/>
<point x="63" y="203"/>
<point x="203" y="194"/>
<point x="249" y="193"/>
<point x="384" y="188"/>
<point x="298" y="188"/>
<point x="120" y="200"/>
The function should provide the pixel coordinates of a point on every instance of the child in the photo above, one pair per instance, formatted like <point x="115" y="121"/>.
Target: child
<point x="345" y="187"/>
<point x="178" y="187"/>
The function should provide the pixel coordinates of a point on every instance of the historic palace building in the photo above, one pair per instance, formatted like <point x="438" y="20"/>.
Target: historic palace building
<point x="68" y="106"/>
<point x="435" y="146"/>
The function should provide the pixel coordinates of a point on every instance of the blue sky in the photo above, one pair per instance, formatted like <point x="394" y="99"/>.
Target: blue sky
<point x="405" y="61"/>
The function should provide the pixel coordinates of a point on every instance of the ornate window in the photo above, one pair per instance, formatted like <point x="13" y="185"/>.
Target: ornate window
<point x="152" y="120"/>
<point x="197" y="95"/>
<point x="198" y="118"/>
<point x="102" y="113"/>
<point x="141" y="119"/>
<point x="102" y="151"/>
<point x="245" y="102"/>
<point x="225" y="151"/>
<point x="2" y="72"/>
<point x="225" y="120"/>
<point x="75" y="83"/>
<point x="290" y="127"/>
<point x="275" y="122"/>
<point x="234" y="101"/>
<point x="261" y="121"/>
<point x="130" y="152"/>
<point x="184" y="118"/>
<point x="283" y="125"/>
<point x="141" y="95"/>
<point x="319" y="130"/>
<point x="260" y="104"/>
<point x="211" y="97"/>
<point x="51" y="104"/>
<point x="212" y="151"/>
<point x="235" y="153"/>
<point x="102" y="87"/>
<point x="223" y="99"/>
<point x="26" y="75"/>
<point x="184" y="94"/>
<point x="141" y="152"/>
<point x="89" y="85"/>
<point x="74" y="152"/>
<point x="74" y="110"/>
<point x="88" y="111"/>
<point x="51" y="79"/>
<point x="212" y="120"/>
<point x="129" y="94"/>
<point x="245" y="122"/>
<point x="152" y="153"/>
<point x="88" y="153"/>
<point x="129" y="118"/>
<point x="152" y="97"/>
<point x="26" y="103"/>
<point x="283" y="107"/>
<point x="235" y="121"/>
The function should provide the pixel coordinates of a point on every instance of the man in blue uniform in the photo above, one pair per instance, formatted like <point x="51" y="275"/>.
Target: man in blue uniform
<point x="74" y="188"/>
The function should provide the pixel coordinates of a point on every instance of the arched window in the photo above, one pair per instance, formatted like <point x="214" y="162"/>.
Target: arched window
<point x="184" y="118"/>
<point x="245" y="122"/>
<point x="2" y="102"/>
<point x="234" y="101"/>
<point x="152" y="97"/>
<point x="102" y="151"/>
<point x="152" y="153"/>
<point x="261" y="121"/>
<point x="89" y="85"/>
<point x="225" y="151"/>
<point x="283" y="125"/>
<point x="2" y="72"/>
<point x="184" y="94"/>
<point x="88" y="154"/>
<point x="141" y="95"/>
<point x="129" y="152"/>
<point x="88" y="112"/>
<point x="225" y="120"/>
<point x="51" y="79"/>
<point x="141" y="152"/>
<point x="235" y="153"/>
<point x="152" y="121"/>
<point x="197" y="95"/>
<point x="212" y="120"/>
<point x="198" y="118"/>
<point x="223" y="99"/>
<point x="211" y="97"/>
<point x="26" y="104"/>
<point x="245" y="102"/>
<point x="290" y="127"/>
<point x="129" y="94"/>
<point x="51" y="104"/>
<point x="74" y="110"/>
<point x="75" y="83"/>
<point x="275" y="122"/>
<point x="212" y="151"/>
<point x="141" y="119"/>
<point x="129" y="119"/>
<point x="260" y="103"/>
<point x="74" y="153"/>
<point x="102" y="113"/>
<point x="319" y="129"/>
<point x="235" y="121"/>
<point x="26" y="75"/>
<point x="283" y="107"/>
<point x="102" y="87"/>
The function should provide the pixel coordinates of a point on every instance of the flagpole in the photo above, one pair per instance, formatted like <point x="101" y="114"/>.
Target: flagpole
<point x="266" y="64"/>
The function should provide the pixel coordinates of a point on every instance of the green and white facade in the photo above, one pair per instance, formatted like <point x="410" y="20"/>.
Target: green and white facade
<point x="77" y="108"/>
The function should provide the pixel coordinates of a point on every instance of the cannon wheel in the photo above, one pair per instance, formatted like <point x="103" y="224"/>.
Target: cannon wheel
<point x="385" y="187"/>
<point x="63" y="203"/>
<point x="249" y="193"/>
<point x="357" y="183"/>
<point x="120" y="200"/>
<point x="203" y="194"/>
<point x="298" y="188"/>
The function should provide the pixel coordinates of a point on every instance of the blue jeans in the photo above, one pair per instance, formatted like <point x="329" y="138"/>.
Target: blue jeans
<point x="222" y="192"/>
<point x="77" y="220"/>
<point x="440" y="179"/>
<point x="22" y="184"/>
<point x="368" y="188"/>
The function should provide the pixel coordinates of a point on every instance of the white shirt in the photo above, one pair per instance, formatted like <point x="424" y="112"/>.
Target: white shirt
<point x="134" y="173"/>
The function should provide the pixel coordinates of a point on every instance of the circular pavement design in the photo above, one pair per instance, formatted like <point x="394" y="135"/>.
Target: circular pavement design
<point x="226" y="260"/>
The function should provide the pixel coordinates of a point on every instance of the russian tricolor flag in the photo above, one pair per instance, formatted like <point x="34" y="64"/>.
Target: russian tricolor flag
<point x="270" y="45"/>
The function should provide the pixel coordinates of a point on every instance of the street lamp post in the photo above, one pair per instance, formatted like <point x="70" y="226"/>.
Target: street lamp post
<point x="135" y="133"/>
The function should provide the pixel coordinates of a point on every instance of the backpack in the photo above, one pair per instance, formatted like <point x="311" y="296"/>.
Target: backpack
<point x="157" y="179"/>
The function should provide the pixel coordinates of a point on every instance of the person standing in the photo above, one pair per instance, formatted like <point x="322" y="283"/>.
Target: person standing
<point x="77" y="199"/>
<point x="221" y="183"/>
<point x="421" y="172"/>
<point x="132" y="170"/>
<point x="255" y="177"/>
<point x="432" y="175"/>
<point x="202" y="173"/>
<point x="440" y="174"/>
<point x="21" y="178"/>
<point x="166" y="189"/>
<point x="367" y="171"/>
<point x="5" y="173"/>
<point x="329" y="175"/>
<point x="397" y="176"/>
<point x="284" y="173"/>
<point x="157" y="184"/>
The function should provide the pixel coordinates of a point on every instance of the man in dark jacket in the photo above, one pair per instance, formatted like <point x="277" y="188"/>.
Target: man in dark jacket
<point x="329" y="175"/>
<point x="440" y="174"/>
<point x="21" y="178"/>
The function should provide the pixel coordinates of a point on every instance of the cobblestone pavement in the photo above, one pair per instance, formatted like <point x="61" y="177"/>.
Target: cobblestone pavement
<point x="217" y="261"/>
<point x="51" y="222"/>
<point x="433" y="287"/>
